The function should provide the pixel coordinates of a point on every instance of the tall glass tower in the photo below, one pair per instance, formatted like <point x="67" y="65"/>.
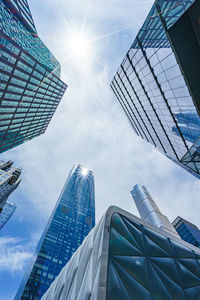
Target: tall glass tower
<point x="157" y="83"/>
<point x="71" y="221"/>
<point x="30" y="85"/>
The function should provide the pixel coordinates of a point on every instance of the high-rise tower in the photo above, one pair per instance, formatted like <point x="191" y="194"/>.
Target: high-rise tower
<point x="157" y="83"/>
<point x="9" y="180"/>
<point x="149" y="211"/>
<point x="30" y="85"/>
<point x="71" y="221"/>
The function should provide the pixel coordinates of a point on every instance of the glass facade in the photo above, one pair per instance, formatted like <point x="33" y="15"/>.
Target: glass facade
<point x="189" y="123"/>
<point x="187" y="231"/>
<point x="126" y="258"/>
<point x="192" y="157"/>
<point x="157" y="95"/>
<point x="70" y="222"/>
<point x="21" y="9"/>
<point x="9" y="181"/>
<point x="6" y="214"/>
<point x="30" y="85"/>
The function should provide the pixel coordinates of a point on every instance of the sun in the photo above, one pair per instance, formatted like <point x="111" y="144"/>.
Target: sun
<point x="80" y="46"/>
<point x="84" y="172"/>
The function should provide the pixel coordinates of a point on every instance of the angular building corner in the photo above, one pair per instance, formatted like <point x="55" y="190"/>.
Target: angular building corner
<point x="157" y="82"/>
<point x="72" y="219"/>
<point x="30" y="85"/>
<point x="124" y="257"/>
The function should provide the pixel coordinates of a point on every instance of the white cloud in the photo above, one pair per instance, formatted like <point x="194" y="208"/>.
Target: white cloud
<point x="13" y="256"/>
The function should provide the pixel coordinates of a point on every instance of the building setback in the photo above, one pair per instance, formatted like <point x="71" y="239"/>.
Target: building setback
<point x="126" y="258"/>
<point x="157" y="83"/>
<point x="6" y="214"/>
<point x="9" y="181"/>
<point x="30" y="85"/>
<point x="71" y="221"/>
<point x="187" y="231"/>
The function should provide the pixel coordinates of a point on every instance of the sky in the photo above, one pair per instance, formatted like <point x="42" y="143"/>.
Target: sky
<point x="90" y="39"/>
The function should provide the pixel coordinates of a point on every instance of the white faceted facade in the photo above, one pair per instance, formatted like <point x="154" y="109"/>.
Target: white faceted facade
<point x="125" y="258"/>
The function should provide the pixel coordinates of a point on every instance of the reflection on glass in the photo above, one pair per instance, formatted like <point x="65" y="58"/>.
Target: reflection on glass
<point x="189" y="124"/>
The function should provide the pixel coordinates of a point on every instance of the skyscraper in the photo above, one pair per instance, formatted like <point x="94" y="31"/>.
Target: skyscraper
<point x="126" y="258"/>
<point x="6" y="214"/>
<point x="30" y="85"/>
<point x="187" y="231"/>
<point x="71" y="221"/>
<point x="9" y="181"/>
<point x="149" y="211"/>
<point x="157" y="82"/>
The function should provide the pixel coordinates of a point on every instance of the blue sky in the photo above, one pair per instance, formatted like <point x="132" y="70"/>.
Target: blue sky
<point x="89" y="127"/>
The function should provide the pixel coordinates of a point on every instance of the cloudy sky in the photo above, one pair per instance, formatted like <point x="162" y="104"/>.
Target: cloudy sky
<point x="90" y="39"/>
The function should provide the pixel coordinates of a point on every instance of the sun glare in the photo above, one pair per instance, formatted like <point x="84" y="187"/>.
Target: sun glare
<point x="80" y="46"/>
<point x="84" y="172"/>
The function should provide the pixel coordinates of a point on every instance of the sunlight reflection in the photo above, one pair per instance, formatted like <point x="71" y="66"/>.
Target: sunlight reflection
<point x="84" y="172"/>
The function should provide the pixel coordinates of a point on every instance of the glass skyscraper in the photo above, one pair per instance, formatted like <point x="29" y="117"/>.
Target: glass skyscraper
<point x="9" y="180"/>
<point x="187" y="231"/>
<point x="30" y="85"/>
<point x="21" y="9"/>
<point x="71" y="221"/>
<point x="157" y="83"/>
<point x="6" y="214"/>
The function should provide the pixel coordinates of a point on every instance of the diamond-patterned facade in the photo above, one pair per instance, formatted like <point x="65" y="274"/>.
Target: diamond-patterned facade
<point x="124" y="258"/>
<point x="145" y="264"/>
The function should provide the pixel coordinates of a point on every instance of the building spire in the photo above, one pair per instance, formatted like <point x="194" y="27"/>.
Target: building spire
<point x="149" y="211"/>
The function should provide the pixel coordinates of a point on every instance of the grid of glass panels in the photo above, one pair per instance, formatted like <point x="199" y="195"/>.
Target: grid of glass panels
<point x="187" y="231"/>
<point x="6" y="214"/>
<point x="71" y="221"/>
<point x="22" y="10"/>
<point x="151" y="88"/>
<point x="189" y="123"/>
<point x="29" y="95"/>
<point x="29" y="42"/>
<point x="192" y="158"/>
